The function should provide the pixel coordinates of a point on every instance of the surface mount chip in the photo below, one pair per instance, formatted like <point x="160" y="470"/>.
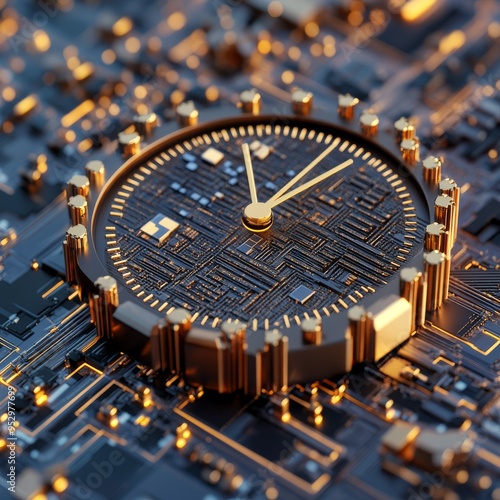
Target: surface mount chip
<point x="158" y="229"/>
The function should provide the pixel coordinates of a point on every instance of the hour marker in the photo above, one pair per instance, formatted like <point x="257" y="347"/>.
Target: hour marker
<point x="158" y="229"/>
<point x="212" y="156"/>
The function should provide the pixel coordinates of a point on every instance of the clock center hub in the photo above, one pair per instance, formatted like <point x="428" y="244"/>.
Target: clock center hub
<point x="257" y="217"/>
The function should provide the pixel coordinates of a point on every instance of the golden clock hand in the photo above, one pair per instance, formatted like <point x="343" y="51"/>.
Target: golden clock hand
<point x="303" y="172"/>
<point x="248" y="165"/>
<point x="273" y="203"/>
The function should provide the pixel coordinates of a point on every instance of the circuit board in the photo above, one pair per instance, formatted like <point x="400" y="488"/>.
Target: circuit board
<point x="166" y="334"/>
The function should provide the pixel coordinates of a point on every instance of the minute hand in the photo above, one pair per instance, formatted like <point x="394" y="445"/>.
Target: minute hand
<point x="303" y="172"/>
<point x="273" y="203"/>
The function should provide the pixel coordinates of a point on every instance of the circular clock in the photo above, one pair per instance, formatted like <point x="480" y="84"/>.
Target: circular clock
<point x="266" y="219"/>
<point x="239" y="248"/>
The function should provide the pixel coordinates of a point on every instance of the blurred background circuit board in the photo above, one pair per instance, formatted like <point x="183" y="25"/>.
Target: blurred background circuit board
<point x="85" y="416"/>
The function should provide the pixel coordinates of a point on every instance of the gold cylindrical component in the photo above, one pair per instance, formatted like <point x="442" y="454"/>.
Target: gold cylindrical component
<point x="435" y="234"/>
<point x="361" y="326"/>
<point x="309" y="393"/>
<point x="311" y="331"/>
<point x="182" y="435"/>
<point x="78" y="184"/>
<point x="309" y="397"/>
<point x="422" y="301"/>
<point x="403" y="129"/>
<point x="186" y="113"/>
<point x="437" y="238"/>
<point x="347" y="106"/>
<point x="444" y="213"/>
<point x="357" y="318"/>
<point x="77" y="207"/>
<point x="130" y="143"/>
<point x="435" y="263"/>
<point x="281" y="407"/>
<point x="32" y="179"/>
<point x="76" y="236"/>
<point x="159" y="345"/>
<point x="74" y="244"/>
<point x="257" y="217"/>
<point x="108" y="415"/>
<point x="233" y="334"/>
<point x="275" y="362"/>
<point x="104" y="304"/>
<point x="369" y="124"/>
<point x="302" y="102"/>
<point x="96" y="173"/>
<point x="143" y="395"/>
<point x="250" y="101"/>
<point x="145" y="124"/>
<point x="410" y="151"/>
<point x="431" y="170"/>
<point x="450" y="188"/>
<point x="39" y="163"/>
<point x="410" y="279"/>
<point x="446" y="278"/>
<point x="179" y="323"/>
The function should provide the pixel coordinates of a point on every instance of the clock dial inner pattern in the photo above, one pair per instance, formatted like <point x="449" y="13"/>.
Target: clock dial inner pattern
<point x="174" y="234"/>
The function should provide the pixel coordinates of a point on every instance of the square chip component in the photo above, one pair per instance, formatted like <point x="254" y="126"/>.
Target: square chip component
<point x="212" y="156"/>
<point x="158" y="229"/>
<point x="302" y="294"/>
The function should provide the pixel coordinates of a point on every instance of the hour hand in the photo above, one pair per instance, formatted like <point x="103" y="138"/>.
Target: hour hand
<point x="257" y="217"/>
<point x="249" y="168"/>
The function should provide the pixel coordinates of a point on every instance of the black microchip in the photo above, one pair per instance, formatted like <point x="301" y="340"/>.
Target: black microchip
<point x="149" y="438"/>
<point x="104" y="473"/>
<point x="22" y="203"/>
<point x="410" y="37"/>
<point x="361" y="385"/>
<point x="218" y="409"/>
<point x="46" y="375"/>
<point x="454" y="318"/>
<point x="486" y="222"/>
<point x="262" y="437"/>
<point x="42" y="413"/>
<point x="23" y="300"/>
<point x="355" y="78"/>
<point x="20" y="325"/>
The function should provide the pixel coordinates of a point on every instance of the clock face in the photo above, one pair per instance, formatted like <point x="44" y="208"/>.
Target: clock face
<point x="170" y="229"/>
